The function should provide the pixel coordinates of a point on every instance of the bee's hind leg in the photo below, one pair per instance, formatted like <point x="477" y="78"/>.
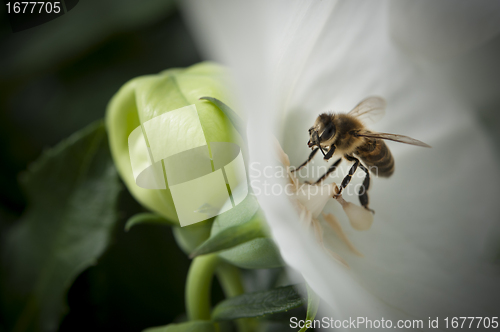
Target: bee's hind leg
<point x="363" y="190"/>
<point x="311" y="156"/>
<point x="332" y="168"/>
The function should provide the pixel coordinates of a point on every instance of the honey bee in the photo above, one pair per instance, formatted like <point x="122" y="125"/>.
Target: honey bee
<point x="346" y="134"/>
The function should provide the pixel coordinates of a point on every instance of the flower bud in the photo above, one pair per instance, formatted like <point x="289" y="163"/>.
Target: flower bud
<point x="147" y="97"/>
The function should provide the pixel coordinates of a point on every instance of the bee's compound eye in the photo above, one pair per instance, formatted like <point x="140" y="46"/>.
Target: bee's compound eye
<point x="329" y="132"/>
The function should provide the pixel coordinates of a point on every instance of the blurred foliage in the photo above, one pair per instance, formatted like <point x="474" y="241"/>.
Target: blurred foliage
<point x="253" y="251"/>
<point x="193" y="326"/>
<point x="54" y="80"/>
<point x="233" y="236"/>
<point x="147" y="218"/>
<point x="312" y="308"/>
<point x="258" y="304"/>
<point x="61" y="233"/>
<point x="137" y="283"/>
<point x="58" y="77"/>
<point x="239" y="215"/>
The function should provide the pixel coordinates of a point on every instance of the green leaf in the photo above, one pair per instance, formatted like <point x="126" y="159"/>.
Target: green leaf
<point x="235" y="119"/>
<point x="147" y="218"/>
<point x="312" y="308"/>
<point x="236" y="216"/>
<point x="257" y="253"/>
<point x="72" y="191"/>
<point x="190" y="237"/>
<point x="258" y="304"/>
<point x="193" y="326"/>
<point x="232" y="236"/>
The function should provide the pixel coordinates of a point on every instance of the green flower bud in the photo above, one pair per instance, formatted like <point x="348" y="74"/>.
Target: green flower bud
<point x="146" y="97"/>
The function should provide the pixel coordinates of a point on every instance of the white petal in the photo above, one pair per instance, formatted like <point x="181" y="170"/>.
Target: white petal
<point x="335" y="225"/>
<point x="360" y="218"/>
<point x="314" y="198"/>
<point x="430" y="248"/>
<point x="445" y="28"/>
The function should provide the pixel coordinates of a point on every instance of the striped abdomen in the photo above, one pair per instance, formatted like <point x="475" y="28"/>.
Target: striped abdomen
<point x="377" y="157"/>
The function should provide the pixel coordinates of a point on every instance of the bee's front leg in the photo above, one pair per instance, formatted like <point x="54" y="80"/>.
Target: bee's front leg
<point x="307" y="161"/>
<point x="330" y="152"/>
<point x="330" y="170"/>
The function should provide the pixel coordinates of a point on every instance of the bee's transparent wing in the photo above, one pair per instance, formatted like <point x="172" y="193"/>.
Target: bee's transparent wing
<point x="392" y="137"/>
<point x="369" y="110"/>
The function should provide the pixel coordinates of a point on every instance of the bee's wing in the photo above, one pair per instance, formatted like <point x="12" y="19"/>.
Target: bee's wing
<point x="392" y="137"/>
<point x="369" y="110"/>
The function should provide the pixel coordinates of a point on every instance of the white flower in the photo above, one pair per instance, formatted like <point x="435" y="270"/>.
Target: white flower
<point x="430" y="251"/>
<point x="310" y="200"/>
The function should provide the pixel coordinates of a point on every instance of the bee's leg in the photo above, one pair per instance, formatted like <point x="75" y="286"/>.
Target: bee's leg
<point x="353" y="169"/>
<point x="307" y="161"/>
<point x="319" y="144"/>
<point x="330" y="152"/>
<point x="363" y="190"/>
<point x="330" y="170"/>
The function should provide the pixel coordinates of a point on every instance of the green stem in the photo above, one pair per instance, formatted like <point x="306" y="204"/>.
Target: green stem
<point x="198" y="285"/>
<point x="230" y="280"/>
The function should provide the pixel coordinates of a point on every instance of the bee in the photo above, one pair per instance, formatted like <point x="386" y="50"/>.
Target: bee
<point x="346" y="134"/>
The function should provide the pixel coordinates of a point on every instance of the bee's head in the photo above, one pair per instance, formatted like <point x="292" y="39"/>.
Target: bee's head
<point x="322" y="131"/>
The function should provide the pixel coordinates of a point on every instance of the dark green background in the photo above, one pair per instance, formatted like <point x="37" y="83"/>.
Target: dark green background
<point x="54" y="80"/>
